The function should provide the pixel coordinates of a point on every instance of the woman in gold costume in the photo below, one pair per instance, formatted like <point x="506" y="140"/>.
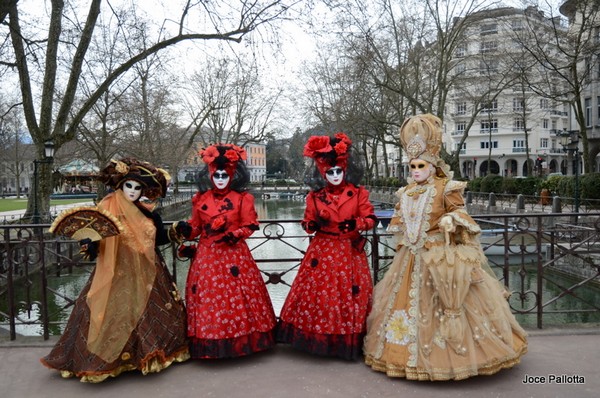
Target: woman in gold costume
<point x="439" y="313"/>
<point x="129" y="315"/>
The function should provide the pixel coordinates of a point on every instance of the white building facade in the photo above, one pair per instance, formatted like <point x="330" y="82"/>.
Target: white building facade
<point x="510" y="130"/>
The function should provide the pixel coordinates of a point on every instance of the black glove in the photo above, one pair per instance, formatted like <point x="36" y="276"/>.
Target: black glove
<point x="347" y="225"/>
<point x="183" y="228"/>
<point x="228" y="238"/>
<point x="311" y="226"/>
<point x="185" y="251"/>
<point x="88" y="249"/>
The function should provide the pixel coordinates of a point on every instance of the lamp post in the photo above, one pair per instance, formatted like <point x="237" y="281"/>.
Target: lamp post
<point x="48" y="159"/>
<point x="570" y="143"/>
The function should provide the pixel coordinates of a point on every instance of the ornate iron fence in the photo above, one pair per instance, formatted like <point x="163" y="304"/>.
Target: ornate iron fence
<point x="544" y="259"/>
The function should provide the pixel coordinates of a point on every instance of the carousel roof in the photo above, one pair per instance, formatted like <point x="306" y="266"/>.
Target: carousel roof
<point x="79" y="167"/>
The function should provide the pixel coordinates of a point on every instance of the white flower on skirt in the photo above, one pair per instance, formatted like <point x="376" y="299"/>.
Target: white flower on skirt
<point x="396" y="331"/>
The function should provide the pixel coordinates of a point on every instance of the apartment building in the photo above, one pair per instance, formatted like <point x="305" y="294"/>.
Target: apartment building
<point x="510" y="130"/>
<point x="257" y="161"/>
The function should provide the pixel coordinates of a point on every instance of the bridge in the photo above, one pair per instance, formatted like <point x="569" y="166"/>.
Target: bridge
<point x="30" y="259"/>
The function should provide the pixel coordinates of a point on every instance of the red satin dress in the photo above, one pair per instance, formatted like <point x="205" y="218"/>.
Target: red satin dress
<point x="228" y="307"/>
<point x="326" y="309"/>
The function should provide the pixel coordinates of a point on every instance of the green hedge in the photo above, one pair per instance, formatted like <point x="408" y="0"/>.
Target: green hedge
<point x="563" y="186"/>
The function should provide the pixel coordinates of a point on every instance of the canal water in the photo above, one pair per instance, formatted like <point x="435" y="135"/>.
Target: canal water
<point x="68" y="286"/>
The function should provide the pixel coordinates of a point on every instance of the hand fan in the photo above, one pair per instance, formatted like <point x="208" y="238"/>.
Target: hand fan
<point x="86" y="222"/>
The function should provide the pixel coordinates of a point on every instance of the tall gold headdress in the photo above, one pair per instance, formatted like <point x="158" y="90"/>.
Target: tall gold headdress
<point x="421" y="137"/>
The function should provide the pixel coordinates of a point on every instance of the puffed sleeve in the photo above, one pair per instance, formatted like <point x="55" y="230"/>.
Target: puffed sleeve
<point x="195" y="221"/>
<point x="249" y="218"/>
<point x="395" y="224"/>
<point x="310" y="221"/>
<point x="454" y="205"/>
<point x="366" y="212"/>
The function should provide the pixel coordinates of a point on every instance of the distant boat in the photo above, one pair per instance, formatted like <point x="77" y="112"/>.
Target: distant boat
<point x="384" y="216"/>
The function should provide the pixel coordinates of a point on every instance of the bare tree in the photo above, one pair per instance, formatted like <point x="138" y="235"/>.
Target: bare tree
<point x="228" y="103"/>
<point x="406" y="50"/>
<point x="57" y="61"/>
<point x="569" y="58"/>
<point x="15" y="155"/>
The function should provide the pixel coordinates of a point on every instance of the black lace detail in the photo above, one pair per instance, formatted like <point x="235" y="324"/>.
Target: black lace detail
<point x="227" y="206"/>
<point x="345" y="346"/>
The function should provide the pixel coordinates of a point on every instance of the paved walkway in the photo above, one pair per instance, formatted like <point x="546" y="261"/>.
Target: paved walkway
<point x="283" y="372"/>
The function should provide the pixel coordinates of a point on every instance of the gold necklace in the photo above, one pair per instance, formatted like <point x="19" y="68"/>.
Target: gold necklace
<point x="415" y="192"/>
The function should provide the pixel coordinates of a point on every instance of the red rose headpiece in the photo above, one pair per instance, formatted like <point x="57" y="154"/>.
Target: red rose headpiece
<point x="328" y="151"/>
<point x="223" y="157"/>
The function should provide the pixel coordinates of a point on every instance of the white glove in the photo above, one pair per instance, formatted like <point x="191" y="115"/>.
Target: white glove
<point x="447" y="224"/>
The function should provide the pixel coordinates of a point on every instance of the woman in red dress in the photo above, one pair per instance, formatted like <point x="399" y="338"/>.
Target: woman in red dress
<point x="326" y="309"/>
<point x="228" y="307"/>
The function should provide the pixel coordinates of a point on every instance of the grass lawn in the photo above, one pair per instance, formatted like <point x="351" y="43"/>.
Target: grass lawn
<point x="21" y="204"/>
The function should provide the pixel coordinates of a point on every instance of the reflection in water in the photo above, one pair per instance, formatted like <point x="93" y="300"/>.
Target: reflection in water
<point x="292" y="250"/>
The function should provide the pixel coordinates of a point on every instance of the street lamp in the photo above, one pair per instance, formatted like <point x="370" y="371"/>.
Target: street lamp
<point x="570" y="143"/>
<point x="48" y="159"/>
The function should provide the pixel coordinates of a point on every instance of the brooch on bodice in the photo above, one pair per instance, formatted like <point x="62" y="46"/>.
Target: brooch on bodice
<point x="416" y="191"/>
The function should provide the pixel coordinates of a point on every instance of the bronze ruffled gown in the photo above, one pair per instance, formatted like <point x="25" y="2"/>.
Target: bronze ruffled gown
<point x="129" y="315"/>
<point x="439" y="313"/>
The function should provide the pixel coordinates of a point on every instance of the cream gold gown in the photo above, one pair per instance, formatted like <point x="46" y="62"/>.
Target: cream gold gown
<point x="439" y="313"/>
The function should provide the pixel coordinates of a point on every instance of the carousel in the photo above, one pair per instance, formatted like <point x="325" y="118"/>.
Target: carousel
<point x="78" y="177"/>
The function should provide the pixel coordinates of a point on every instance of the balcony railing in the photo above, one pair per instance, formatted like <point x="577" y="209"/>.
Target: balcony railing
<point x="525" y="251"/>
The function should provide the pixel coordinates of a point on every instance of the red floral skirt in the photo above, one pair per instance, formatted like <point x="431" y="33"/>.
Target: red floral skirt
<point x="229" y="309"/>
<point x="326" y="310"/>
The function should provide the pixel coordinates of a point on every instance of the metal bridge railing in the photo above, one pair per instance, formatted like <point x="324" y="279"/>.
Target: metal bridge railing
<point x="544" y="259"/>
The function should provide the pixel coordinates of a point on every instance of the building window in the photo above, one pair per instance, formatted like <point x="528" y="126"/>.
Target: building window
<point x="518" y="124"/>
<point x="543" y="142"/>
<point x="488" y="144"/>
<point x="518" y="105"/>
<point x="518" y="145"/>
<point x="461" y="51"/>
<point x="491" y="106"/>
<point x="588" y="112"/>
<point x="488" y="47"/>
<point x="489" y="126"/>
<point x="489" y="29"/>
<point x="460" y="128"/>
<point x="460" y="68"/>
<point x="545" y="123"/>
<point x="461" y="108"/>
<point x="544" y="103"/>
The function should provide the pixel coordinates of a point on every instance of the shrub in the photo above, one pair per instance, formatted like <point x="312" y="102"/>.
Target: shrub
<point x="491" y="183"/>
<point x="509" y="185"/>
<point x="590" y="186"/>
<point x="475" y="184"/>
<point x="529" y="186"/>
